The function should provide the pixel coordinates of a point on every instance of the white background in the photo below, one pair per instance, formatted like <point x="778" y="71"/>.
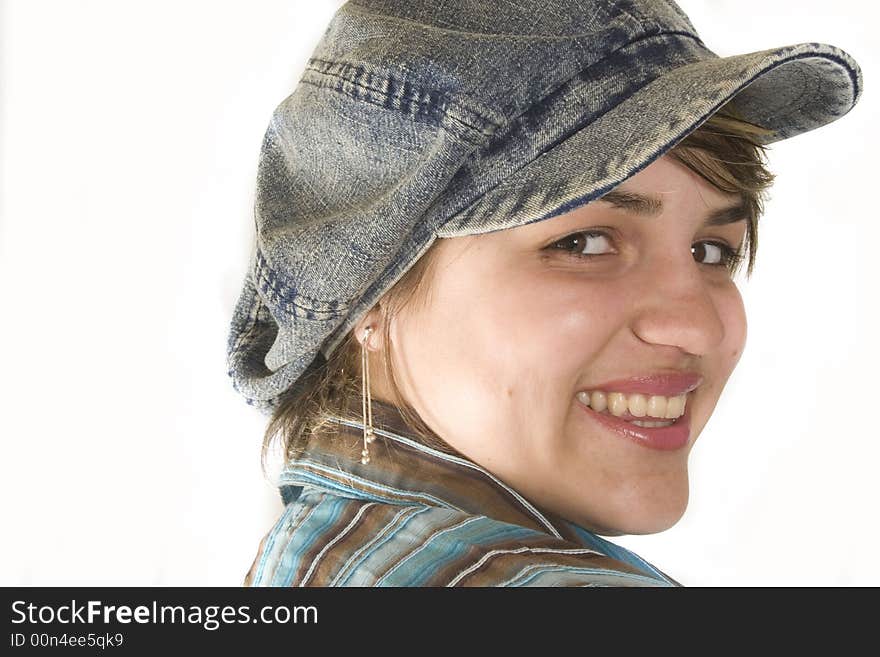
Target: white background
<point x="129" y="136"/>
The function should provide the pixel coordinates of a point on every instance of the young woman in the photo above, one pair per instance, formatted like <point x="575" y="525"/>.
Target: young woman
<point x="491" y="306"/>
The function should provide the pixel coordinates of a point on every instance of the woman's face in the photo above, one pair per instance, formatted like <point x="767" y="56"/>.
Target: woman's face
<point x="521" y="327"/>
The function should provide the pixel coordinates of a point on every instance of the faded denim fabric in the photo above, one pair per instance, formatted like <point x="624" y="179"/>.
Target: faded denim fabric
<point x="416" y="120"/>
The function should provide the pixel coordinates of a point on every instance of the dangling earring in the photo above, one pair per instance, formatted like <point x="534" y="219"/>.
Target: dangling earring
<point x="366" y="400"/>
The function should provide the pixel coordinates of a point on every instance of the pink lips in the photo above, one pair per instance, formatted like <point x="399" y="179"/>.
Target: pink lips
<point x="668" y="384"/>
<point x="676" y="435"/>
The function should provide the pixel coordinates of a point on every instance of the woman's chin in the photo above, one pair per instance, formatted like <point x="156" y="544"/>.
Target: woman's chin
<point x="650" y="515"/>
<point x="656" y="523"/>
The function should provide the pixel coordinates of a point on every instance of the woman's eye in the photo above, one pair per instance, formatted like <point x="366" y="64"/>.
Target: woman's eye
<point x="715" y="253"/>
<point x="585" y="244"/>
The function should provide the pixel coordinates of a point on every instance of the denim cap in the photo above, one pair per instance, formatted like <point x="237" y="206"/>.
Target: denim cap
<point x="417" y="119"/>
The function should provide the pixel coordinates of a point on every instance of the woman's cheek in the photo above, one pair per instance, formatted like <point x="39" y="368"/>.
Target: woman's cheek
<point x="733" y="316"/>
<point x="720" y="365"/>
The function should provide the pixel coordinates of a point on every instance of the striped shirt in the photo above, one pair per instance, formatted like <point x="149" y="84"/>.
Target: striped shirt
<point x="416" y="516"/>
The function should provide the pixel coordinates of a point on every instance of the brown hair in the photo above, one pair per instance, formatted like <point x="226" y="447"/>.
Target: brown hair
<point x="725" y="151"/>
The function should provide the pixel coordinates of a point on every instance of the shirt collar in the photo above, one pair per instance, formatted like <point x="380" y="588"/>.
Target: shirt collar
<point x="402" y="470"/>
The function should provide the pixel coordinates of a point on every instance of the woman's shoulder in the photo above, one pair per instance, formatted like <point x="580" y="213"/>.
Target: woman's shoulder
<point x="325" y="539"/>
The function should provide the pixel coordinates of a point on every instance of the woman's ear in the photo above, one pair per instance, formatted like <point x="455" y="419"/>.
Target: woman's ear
<point x="372" y="320"/>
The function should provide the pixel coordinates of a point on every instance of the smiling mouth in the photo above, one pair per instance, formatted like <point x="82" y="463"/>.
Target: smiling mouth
<point x="656" y="421"/>
<point x="636" y="408"/>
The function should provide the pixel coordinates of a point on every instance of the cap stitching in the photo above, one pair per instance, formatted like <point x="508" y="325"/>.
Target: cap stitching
<point x="248" y="329"/>
<point x="395" y="93"/>
<point x="288" y="296"/>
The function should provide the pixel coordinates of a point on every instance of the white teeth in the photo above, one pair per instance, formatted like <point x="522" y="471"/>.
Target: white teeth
<point x="617" y="403"/>
<point x="657" y="406"/>
<point x="651" y="425"/>
<point x="638" y="405"/>
<point x="675" y="407"/>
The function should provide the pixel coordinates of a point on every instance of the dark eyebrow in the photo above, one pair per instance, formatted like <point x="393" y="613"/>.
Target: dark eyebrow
<point x="651" y="206"/>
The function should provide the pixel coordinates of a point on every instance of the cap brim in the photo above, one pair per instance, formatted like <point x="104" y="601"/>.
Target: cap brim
<point x="788" y="90"/>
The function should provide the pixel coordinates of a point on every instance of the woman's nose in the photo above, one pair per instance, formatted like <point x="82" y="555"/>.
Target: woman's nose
<point x="676" y="308"/>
